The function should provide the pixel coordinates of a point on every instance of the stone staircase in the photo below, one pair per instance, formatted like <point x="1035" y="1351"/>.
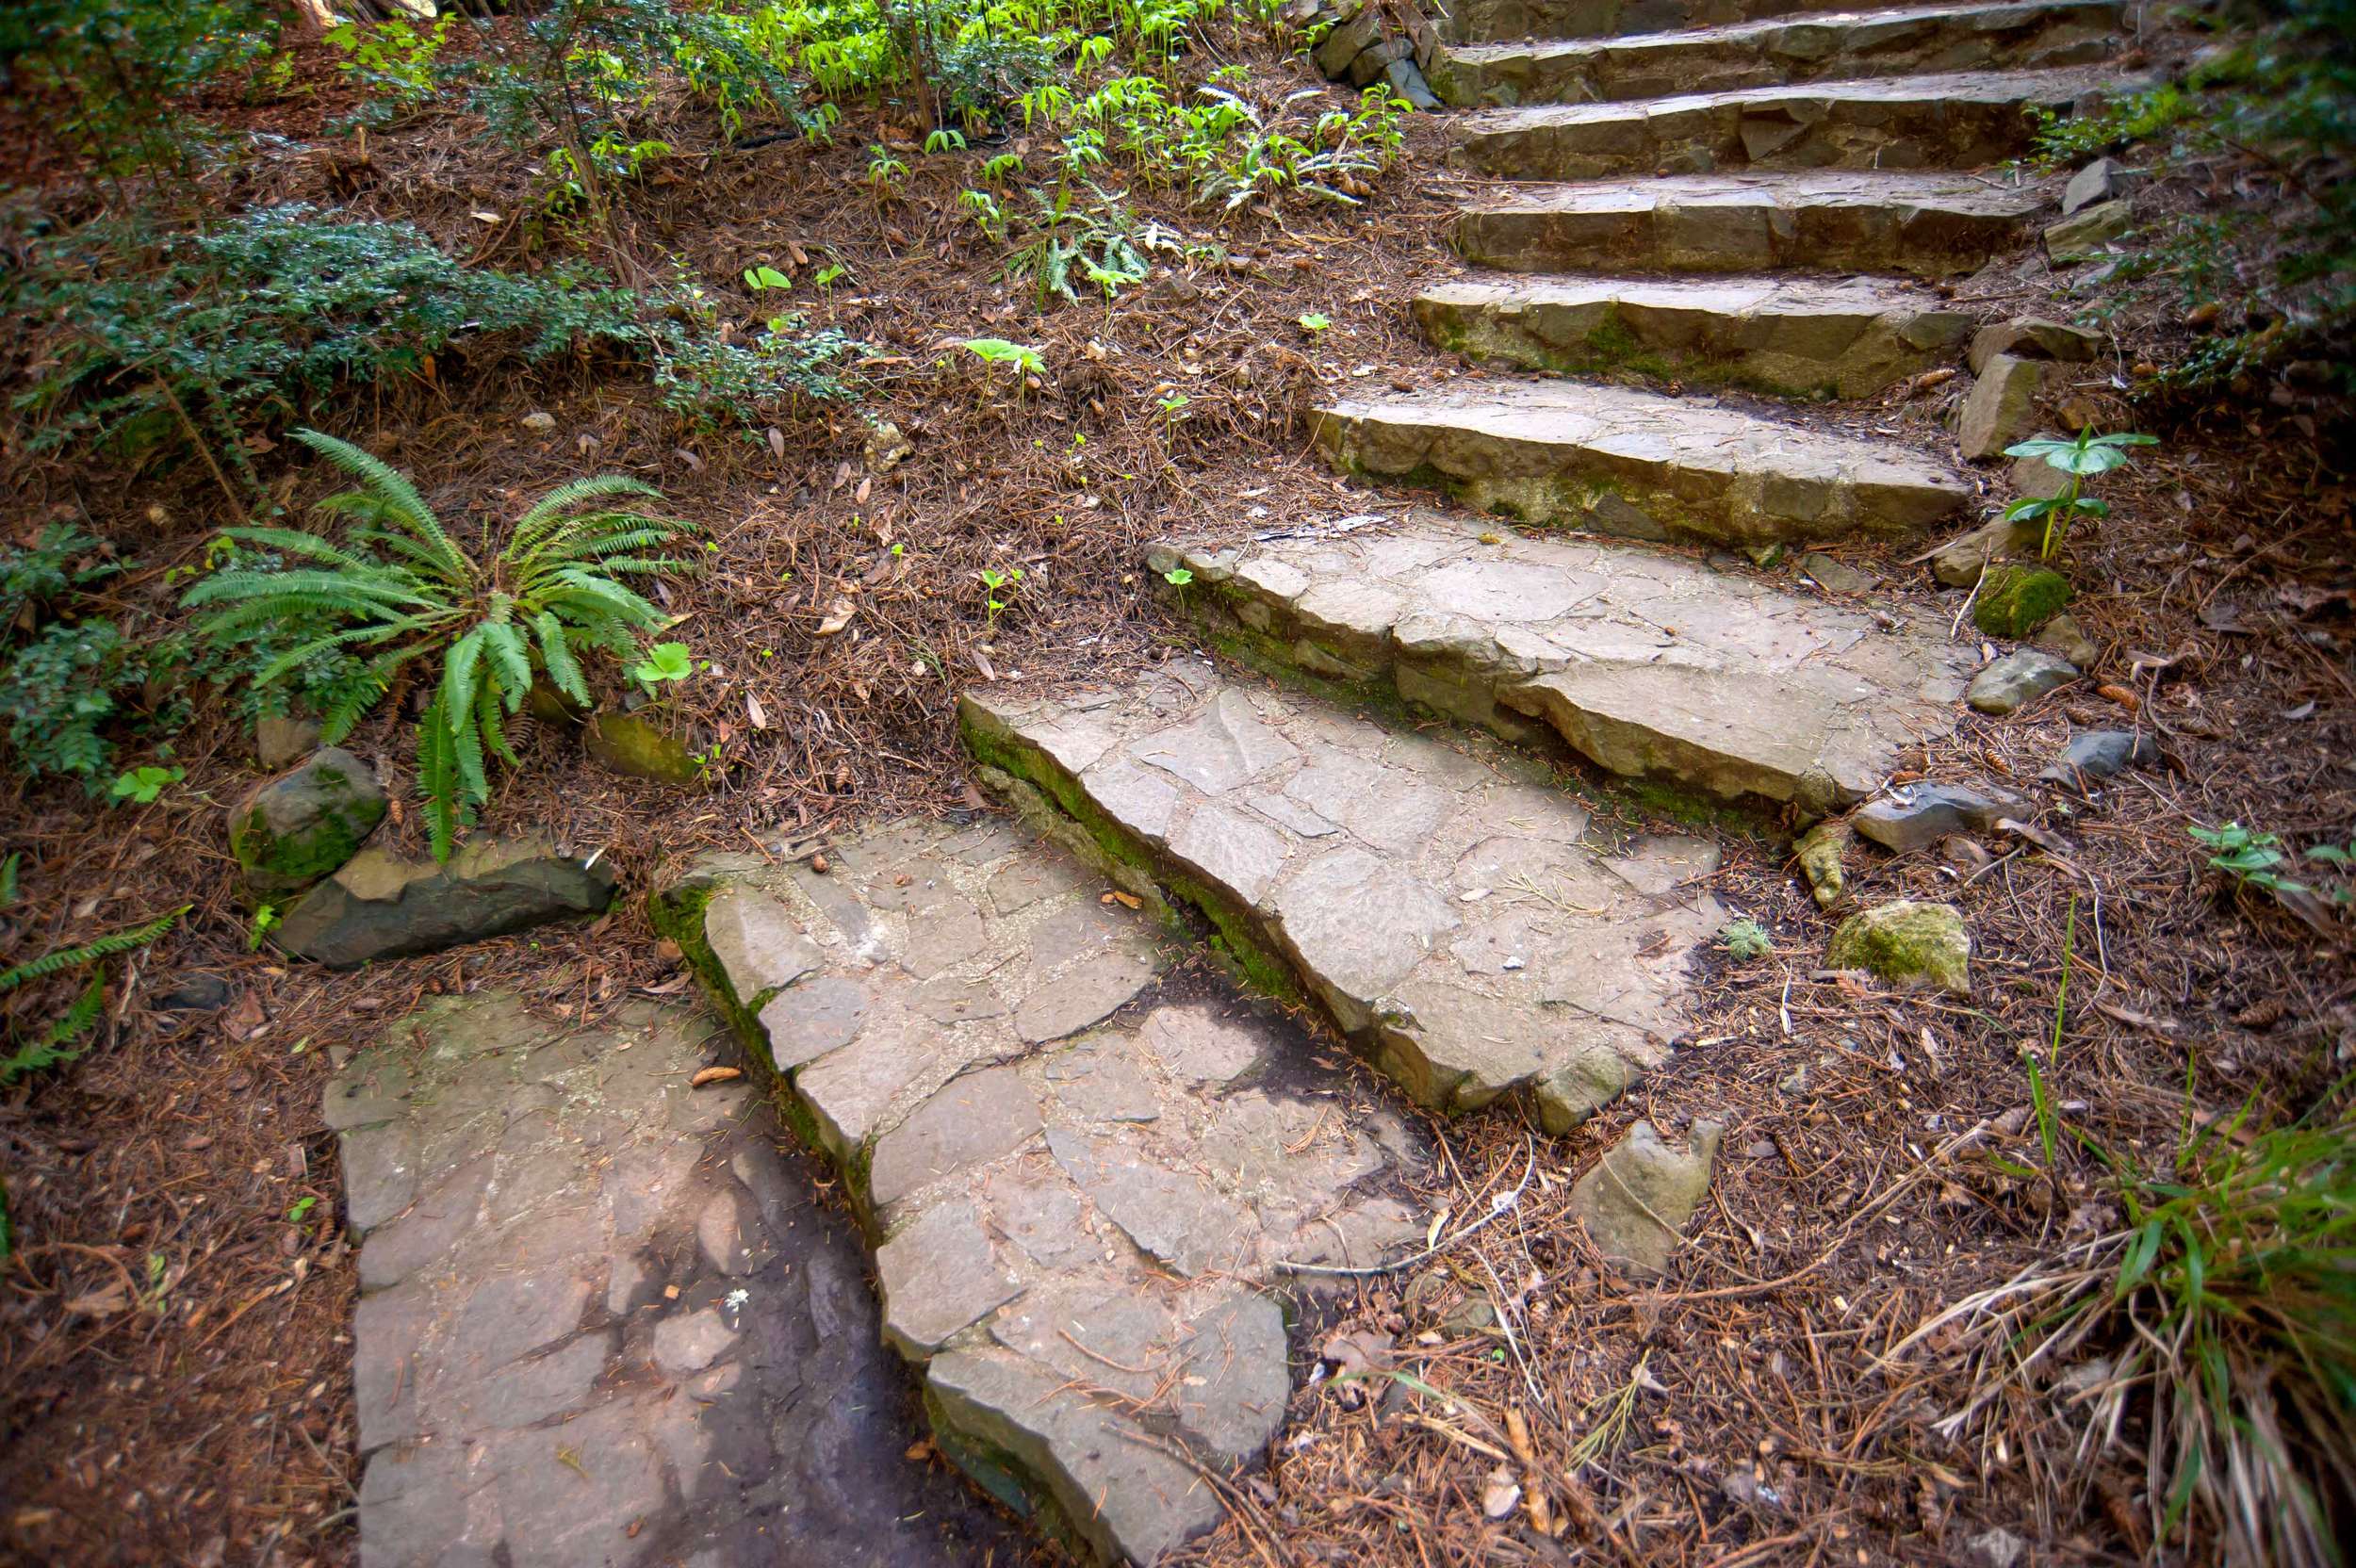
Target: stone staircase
<point x="1092" y="1173"/>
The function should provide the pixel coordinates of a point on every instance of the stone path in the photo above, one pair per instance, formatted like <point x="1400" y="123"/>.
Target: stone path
<point x="1082" y="1177"/>
<point x="602" y="1322"/>
<point x="1452" y="912"/>
<point x="1649" y="665"/>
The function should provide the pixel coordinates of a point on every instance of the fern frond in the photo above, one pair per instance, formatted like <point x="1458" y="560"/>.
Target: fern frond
<point x="458" y="681"/>
<point x="511" y="657"/>
<point x="437" y="781"/>
<point x="556" y="657"/>
<point x="581" y="596"/>
<point x="7" y="876"/>
<point x="54" y="1045"/>
<point x="295" y="541"/>
<point x="404" y="506"/>
<point x="493" y="729"/>
<point x="548" y="514"/>
<point x="89" y="953"/>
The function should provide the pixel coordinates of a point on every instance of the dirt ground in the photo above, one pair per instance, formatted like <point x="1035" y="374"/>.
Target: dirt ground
<point x="175" y="1378"/>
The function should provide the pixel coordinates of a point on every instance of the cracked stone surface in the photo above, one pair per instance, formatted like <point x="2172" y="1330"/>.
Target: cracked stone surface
<point x="1650" y="665"/>
<point x="1961" y="119"/>
<point x="552" y="1370"/>
<point x="1454" y="914"/>
<point x="1083" y="1181"/>
<point x="1848" y="337"/>
<point x="2038" y="34"/>
<point x="1639" y="466"/>
<point x="1931" y="225"/>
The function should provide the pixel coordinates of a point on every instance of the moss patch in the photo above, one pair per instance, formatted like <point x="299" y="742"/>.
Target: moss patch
<point x="2015" y="600"/>
<point x="1906" y="941"/>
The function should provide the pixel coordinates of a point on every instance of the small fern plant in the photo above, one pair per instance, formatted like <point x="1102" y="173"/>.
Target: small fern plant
<point x="400" y="590"/>
<point x="56" y="1042"/>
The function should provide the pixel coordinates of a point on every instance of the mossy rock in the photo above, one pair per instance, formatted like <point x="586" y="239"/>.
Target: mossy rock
<point x="1908" y="941"/>
<point x="636" y="746"/>
<point x="305" y="824"/>
<point x="2015" y="600"/>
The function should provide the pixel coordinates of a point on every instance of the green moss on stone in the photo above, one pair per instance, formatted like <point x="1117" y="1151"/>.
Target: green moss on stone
<point x="2015" y="600"/>
<point x="677" y="912"/>
<point x="1906" y="941"/>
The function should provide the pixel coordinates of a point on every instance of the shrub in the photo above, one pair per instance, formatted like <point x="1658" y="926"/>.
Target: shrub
<point x="400" y="590"/>
<point x="65" y="688"/>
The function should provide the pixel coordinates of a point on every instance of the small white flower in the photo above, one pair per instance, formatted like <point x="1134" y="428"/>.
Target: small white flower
<point x="736" y="1299"/>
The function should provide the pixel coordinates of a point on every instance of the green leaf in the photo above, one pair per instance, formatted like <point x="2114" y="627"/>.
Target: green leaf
<point x="1315" y="321"/>
<point x="143" y="785"/>
<point x="665" y="661"/>
<point x="766" y="277"/>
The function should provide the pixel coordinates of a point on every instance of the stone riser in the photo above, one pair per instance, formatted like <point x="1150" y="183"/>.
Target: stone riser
<point x="1736" y="236"/>
<point x="2025" y="37"/>
<point x="1674" y="331"/>
<point x="1835" y="127"/>
<point x="1492" y="20"/>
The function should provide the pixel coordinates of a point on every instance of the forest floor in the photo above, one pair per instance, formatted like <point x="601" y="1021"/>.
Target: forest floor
<point x="174" y="1352"/>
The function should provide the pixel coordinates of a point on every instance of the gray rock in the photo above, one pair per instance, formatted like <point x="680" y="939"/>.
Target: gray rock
<point x="2100" y="181"/>
<point x="636" y="745"/>
<point x="380" y="906"/>
<point x="2100" y="754"/>
<point x="1837" y="577"/>
<point x="1906" y="941"/>
<point x="278" y="742"/>
<point x="1407" y="81"/>
<point x="2016" y="679"/>
<point x="2066" y="639"/>
<point x="691" y="1341"/>
<point x="939" y="1275"/>
<point x="305" y="824"/>
<point x="1340" y="47"/>
<point x="974" y="1120"/>
<point x="1169" y="1213"/>
<point x="196" y="993"/>
<point x="1961" y="561"/>
<point x="1637" y="1199"/>
<point x="2001" y="407"/>
<point x="1914" y="816"/>
<point x="1378" y="59"/>
<point x="2032" y="338"/>
<point x="2088" y="235"/>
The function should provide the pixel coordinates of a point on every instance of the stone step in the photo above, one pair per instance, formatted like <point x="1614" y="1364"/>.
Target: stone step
<point x="2030" y="34"/>
<point x="1454" y="914"/>
<point x="1084" y="1192"/>
<point x="1932" y="225"/>
<point x="1490" y="21"/>
<point x="1962" y="119"/>
<point x="1637" y="464"/>
<point x="1796" y="338"/>
<point x="1649" y="665"/>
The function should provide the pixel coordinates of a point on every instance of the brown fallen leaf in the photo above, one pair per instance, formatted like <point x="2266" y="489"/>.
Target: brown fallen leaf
<point x="1127" y="900"/>
<point x="838" y="615"/>
<point x="1503" y="1495"/>
<point x="754" y="711"/>
<point x="715" y="1075"/>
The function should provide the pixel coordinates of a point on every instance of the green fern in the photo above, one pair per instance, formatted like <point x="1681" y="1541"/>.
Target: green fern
<point x="401" y="589"/>
<point x="90" y="952"/>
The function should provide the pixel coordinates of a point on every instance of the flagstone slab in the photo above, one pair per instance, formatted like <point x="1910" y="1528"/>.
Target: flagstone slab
<point x="1083" y="1190"/>
<point x="1477" y="21"/>
<point x="1801" y="337"/>
<point x="1838" y="220"/>
<point x="1452" y="912"/>
<point x="550" y="1366"/>
<point x="2033" y="34"/>
<point x="1637" y="464"/>
<point x="1956" y="120"/>
<point x="1649" y="664"/>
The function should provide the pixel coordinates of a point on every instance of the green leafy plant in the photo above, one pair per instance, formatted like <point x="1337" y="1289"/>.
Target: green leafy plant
<point x="887" y="176"/>
<point x="143" y="786"/>
<point x="52" y="1043"/>
<point x="400" y="590"/>
<point x="997" y="582"/>
<point x="393" y="61"/>
<point x="265" y="921"/>
<point x="998" y="351"/>
<point x="2251" y="858"/>
<point x="1178" y="576"/>
<point x="2081" y="457"/>
<point x="2223" y="1313"/>
<point x="1316" y="321"/>
<point x="1745" y="940"/>
<point x="665" y="664"/>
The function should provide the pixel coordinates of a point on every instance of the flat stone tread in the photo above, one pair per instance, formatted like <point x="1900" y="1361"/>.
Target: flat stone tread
<point x="1787" y="189"/>
<point x="602" y="1319"/>
<point x="1728" y="295"/>
<point x="1047" y="1148"/>
<point x="1452" y="913"/>
<point x="2042" y="87"/>
<point x="1649" y="663"/>
<point x="1495" y="19"/>
<point x="1766" y="31"/>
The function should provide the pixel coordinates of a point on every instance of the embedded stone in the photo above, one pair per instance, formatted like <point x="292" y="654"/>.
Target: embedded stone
<point x="2064" y="638"/>
<point x="1194" y="1043"/>
<point x="939" y="1274"/>
<point x="1168" y="1212"/>
<point x="2032" y="338"/>
<point x="978" y="1117"/>
<point x="689" y="1342"/>
<point x="380" y="906"/>
<point x="636" y="745"/>
<point x="2090" y="235"/>
<point x="1041" y="1214"/>
<point x="2100" y="754"/>
<point x="812" y="1018"/>
<point x="306" y="824"/>
<point x="1906" y="941"/>
<point x="2002" y="406"/>
<point x="1915" y="816"/>
<point x="1637" y="1199"/>
<point x="1093" y="1084"/>
<point x="757" y="942"/>
<point x="2016" y="679"/>
<point x="1961" y="561"/>
<point x="2100" y="181"/>
<point x="1088" y="993"/>
<point x="1819" y="852"/>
